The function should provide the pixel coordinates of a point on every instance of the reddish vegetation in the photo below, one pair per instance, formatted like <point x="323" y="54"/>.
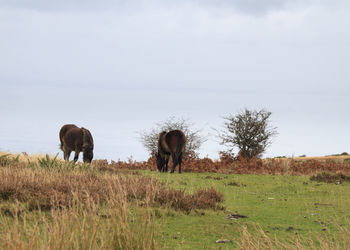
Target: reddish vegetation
<point x="178" y="199"/>
<point x="46" y="190"/>
<point x="238" y="165"/>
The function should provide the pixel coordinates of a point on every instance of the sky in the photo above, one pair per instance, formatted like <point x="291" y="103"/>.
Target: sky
<point x="120" y="67"/>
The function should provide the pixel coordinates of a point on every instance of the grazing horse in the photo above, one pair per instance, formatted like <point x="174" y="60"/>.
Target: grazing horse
<point x="76" y="139"/>
<point x="172" y="144"/>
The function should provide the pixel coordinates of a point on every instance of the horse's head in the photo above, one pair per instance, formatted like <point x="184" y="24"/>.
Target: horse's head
<point x="88" y="154"/>
<point x="88" y="146"/>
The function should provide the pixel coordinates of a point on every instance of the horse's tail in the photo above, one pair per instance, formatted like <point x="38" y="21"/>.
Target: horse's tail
<point x="63" y="131"/>
<point x="179" y="147"/>
<point x="181" y="144"/>
<point x="61" y="143"/>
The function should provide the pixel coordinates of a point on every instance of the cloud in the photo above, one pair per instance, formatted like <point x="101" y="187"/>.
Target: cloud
<point x="258" y="7"/>
<point x="191" y="47"/>
<point x="216" y="56"/>
<point x="248" y="7"/>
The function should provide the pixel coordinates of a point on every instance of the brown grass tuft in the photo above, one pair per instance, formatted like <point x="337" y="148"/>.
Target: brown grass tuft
<point x="202" y="199"/>
<point x="330" y="178"/>
<point x="45" y="188"/>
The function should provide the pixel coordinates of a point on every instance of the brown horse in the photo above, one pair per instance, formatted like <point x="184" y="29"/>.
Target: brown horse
<point x="170" y="143"/>
<point x="76" y="139"/>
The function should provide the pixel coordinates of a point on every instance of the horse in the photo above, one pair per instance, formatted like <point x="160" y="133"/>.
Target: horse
<point x="172" y="144"/>
<point x="76" y="139"/>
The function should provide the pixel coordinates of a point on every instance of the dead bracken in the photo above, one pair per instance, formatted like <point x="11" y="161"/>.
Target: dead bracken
<point x="237" y="165"/>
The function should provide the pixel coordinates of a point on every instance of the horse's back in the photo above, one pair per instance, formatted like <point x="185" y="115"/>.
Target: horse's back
<point x="66" y="128"/>
<point x="175" y="140"/>
<point x="69" y="134"/>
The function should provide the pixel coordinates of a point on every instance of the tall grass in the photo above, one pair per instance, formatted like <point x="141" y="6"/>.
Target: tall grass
<point x="24" y="157"/>
<point x="82" y="226"/>
<point x="52" y="204"/>
<point x="48" y="205"/>
<point x="259" y="239"/>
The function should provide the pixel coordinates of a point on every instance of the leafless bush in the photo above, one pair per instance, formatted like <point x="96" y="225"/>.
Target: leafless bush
<point x="149" y="139"/>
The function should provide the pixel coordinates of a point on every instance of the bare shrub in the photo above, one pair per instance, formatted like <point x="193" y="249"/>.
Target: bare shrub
<point x="149" y="139"/>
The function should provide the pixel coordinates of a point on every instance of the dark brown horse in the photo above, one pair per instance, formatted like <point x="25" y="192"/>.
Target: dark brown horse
<point x="76" y="139"/>
<point x="172" y="144"/>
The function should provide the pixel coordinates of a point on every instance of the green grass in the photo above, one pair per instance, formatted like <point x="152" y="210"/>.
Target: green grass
<point x="281" y="206"/>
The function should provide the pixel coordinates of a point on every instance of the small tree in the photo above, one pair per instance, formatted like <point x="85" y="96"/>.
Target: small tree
<point x="249" y="131"/>
<point x="149" y="139"/>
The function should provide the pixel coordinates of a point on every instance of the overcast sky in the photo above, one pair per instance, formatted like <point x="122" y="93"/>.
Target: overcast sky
<point x="118" y="67"/>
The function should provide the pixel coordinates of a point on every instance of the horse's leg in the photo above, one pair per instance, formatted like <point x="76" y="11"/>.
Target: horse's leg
<point x="67" y="154"/>
<point x="175" y="161"/>
<point x="76" y="155"/>
<point x="64" y="154"/>
<point x="180" y="160"/>
<point x="161" y="169"/>
<point x="166" y="165"/>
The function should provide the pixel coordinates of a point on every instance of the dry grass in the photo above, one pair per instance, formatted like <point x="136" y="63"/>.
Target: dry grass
<point x="53" y="205"/>
<point x="24" y="157"/>
<point x="84" y="225"/>
<point x="336" y="158"/>
<point x="53" y="184"/>
<point x="262" y="240"/>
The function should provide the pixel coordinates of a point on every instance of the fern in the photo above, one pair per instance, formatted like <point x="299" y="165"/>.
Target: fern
<point x="49" y="163"/>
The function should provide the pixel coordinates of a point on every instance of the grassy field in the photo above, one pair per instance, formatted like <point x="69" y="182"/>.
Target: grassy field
<point x="46" y="203"/>
<point x="286" y="208"/>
